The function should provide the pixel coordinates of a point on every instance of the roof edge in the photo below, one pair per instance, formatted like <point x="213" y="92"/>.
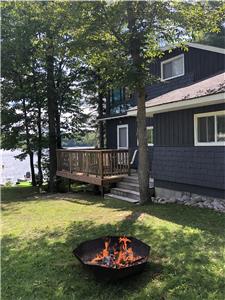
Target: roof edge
<point x="184" y="104"/>
<point x="199" y="46"/>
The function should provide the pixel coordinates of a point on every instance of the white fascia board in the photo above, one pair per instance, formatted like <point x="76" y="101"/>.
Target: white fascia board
<point x="198" y="46"/>
<point x="184" y="104"/>
<point x="206" y="47"/>
<point x="111" y="118"/>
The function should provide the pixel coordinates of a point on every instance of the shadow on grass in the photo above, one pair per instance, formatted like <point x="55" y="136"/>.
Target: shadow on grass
<point x="44" y="268"/>
<point x="203" y="219"/>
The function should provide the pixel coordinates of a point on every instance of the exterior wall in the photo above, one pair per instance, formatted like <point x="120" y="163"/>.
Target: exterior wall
<point x="176" y="128"/>
<point x="199" y="64"/>
<point x="177" y="161"/>
<point x="111" y="135"/>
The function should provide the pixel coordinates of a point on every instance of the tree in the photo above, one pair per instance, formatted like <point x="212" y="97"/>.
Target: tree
<point x="216" y="39"/>
<point x="124" y="37"/>
<point x="40" y="79"/>
<point x="18" y="130"/>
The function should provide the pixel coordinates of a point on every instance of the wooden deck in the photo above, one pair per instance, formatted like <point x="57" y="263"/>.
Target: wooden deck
<point x="98" y="167"/>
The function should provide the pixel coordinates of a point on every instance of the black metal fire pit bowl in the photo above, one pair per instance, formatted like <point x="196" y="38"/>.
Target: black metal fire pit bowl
<point x="86" y="251"/>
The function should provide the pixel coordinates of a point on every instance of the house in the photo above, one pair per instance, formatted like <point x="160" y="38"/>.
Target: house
<point x="185" y="125"/>
<point x="185" y="129"/>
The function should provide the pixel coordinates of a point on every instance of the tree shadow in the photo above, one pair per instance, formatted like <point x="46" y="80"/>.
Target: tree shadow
<point x="203" y="219"/>
<point x="44" y="267"/>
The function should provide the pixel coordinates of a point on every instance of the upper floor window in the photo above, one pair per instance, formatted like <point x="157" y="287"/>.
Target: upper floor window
<point x="172" y="68"/>
<point x="120" y="100"/>
<point x="210" y="129"/>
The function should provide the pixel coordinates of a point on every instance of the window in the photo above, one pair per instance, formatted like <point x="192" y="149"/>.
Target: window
<point x="172" y="68"/>
<point x="150" y="136"/>
<point x="120" y="100"/>
<point x="210" y="129"/>
<point x="122" y="136"/>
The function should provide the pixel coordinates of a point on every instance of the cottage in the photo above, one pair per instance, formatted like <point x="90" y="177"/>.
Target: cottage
<point x="185" y="130"/>
<point x="186" y="123"/>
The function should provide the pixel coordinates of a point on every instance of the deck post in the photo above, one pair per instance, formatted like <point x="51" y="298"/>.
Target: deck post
<point x="128" y="162"/>
<point x="102" y="191"/>
<point x="101" y="165"/>
<point x="69" y="185"/>
<point x="101" y="174"/>
<point x="70" y="161"/>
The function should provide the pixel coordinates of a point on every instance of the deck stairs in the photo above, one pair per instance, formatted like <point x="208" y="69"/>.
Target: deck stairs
<point x="128" y="189"/>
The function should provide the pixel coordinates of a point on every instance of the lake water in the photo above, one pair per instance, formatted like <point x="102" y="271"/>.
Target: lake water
<point x="13" y="169"/>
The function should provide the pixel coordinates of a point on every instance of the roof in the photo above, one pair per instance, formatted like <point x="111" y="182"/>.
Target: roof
<point x="200" y="46"/>
<point x="210" y="86"/>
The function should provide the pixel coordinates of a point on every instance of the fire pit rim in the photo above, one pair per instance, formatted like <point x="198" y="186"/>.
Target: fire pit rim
<point x="145" y="259"/>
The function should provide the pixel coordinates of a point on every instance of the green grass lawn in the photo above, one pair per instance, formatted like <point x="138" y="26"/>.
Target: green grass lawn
<point x="39" y="233"/>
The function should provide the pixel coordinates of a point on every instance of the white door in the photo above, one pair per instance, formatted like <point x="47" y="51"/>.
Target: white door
<point x="122" y="136"/>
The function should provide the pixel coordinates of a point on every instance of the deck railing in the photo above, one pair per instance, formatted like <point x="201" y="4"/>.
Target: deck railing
<point x="101" y="163"/>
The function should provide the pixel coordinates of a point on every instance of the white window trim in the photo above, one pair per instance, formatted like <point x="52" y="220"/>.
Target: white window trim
<point x="169" y="60"/>
<point x="118" y="128"/>
<point x="148" y="127"/>
<point x="208" y="114"/>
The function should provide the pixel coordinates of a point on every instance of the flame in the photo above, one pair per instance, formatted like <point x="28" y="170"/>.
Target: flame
<point x="117" y="255"/>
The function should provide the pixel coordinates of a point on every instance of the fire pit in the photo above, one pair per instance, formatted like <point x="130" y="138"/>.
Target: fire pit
<point x="113" y="257"/>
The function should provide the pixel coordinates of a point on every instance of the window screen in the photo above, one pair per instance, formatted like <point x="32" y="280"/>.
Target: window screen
<point x="221" y="128"/>
<point x="150" y="135"/>
<point x="123" y="137"/>
<point x="173" y="68"/>
<point x="206" y="129"/>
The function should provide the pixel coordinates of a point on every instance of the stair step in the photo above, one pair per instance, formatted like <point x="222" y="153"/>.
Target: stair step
<point x="126" y="193"/>
<point x="128" y="185"/>
<point x="130" y="179"/>
<point x="121" y="198"/>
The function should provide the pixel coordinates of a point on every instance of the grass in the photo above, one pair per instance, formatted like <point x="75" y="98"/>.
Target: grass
<point x="39" y="233"/>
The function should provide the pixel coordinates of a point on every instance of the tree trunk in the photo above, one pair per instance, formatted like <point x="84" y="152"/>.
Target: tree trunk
<point x="58" y="131"/>
<point x="143" y="155"/>
<point x="29" y="151"/>
<point x="39" y="152"/>
<point x="100" y="123"/>
<point x="135" y="51"/>
<point x="51" y="97"/>
<point x="39" y="120"/>
<point x="31" y="156"/>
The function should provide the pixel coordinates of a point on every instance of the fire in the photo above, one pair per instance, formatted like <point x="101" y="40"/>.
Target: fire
<point x="116" y="256"/>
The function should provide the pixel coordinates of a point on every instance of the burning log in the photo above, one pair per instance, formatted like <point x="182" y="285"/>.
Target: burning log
<point x="113" y="257"/>
<point x="116" y="256"/>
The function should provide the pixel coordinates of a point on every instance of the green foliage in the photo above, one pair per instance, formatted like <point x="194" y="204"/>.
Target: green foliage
<point x="110" y="42"/>
<point x="40" y="232"/>
<point x="26" y="28"/>
<point x="216" y="39"/>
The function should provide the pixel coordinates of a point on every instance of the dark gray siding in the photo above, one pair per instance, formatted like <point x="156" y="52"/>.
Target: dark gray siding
<point x="199" y="64"/>
<point x="201" y="166"/>
<point x="176" y="128"/>
<point x="207" y="191"/>
<point x="177" y="160"/>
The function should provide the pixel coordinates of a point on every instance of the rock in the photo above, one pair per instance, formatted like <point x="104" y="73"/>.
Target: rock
<point x="185" y="198"/>
<point x="196" y="198"/>
<point x="172" y="200"/>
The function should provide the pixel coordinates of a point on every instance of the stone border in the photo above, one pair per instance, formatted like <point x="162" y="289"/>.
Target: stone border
<point x="189" y="199"/>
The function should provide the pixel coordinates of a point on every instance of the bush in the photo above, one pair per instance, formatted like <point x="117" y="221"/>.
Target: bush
<point x="8" y="183"/>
